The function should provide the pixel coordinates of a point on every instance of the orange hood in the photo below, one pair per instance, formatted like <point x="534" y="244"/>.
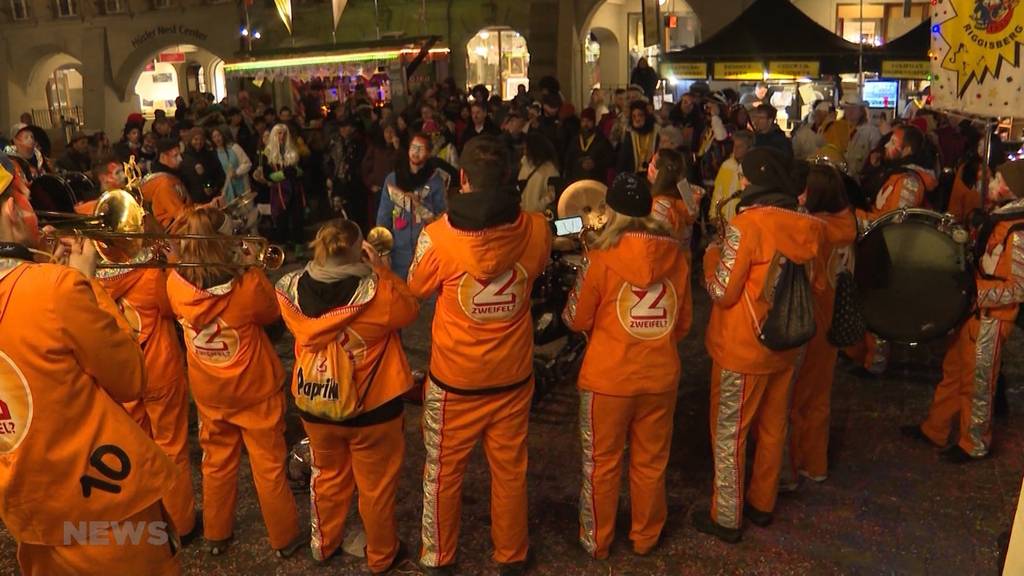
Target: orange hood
<point x="196" y="306"/>
<point x="840" y="228"/>
<point x="643" y="259"/>
<point x="488" y="253"/>
<point x="318" y="332"/>
<point x="117" y="283"/>
<point x="796" y="235"/>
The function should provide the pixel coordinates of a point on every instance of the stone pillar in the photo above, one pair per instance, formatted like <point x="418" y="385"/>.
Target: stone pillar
<point x="95" y="71"/>
<point x="545" y="18"/>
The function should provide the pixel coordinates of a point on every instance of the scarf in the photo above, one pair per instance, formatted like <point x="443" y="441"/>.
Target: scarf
<point x="332" y="272"/>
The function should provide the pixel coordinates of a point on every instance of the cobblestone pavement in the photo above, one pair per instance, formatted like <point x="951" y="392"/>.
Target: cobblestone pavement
<point x="888" y="507"/>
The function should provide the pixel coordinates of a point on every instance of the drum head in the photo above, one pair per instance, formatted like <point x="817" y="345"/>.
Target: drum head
<point x="51" y="193"/>
<point x="914" y="281"/>
<point x="584" y="198"/>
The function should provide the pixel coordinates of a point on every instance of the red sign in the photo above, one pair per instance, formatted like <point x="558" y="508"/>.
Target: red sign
<point x="172" y="57"/>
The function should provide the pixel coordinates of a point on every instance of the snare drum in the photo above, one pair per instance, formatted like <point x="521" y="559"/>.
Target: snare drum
<point x="914" y="275"/>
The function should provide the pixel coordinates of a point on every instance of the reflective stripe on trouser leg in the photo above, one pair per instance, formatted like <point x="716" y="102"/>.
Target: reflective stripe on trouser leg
<point x="728" y="476"/>
<point x="588" y="521"/>
<point x="316" y="537"/>
<point x="433" y="423"/>
<point x="986" y="351"/>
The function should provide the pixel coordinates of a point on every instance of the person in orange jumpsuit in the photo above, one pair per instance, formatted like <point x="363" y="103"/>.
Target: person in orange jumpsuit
<point x="141" y="298"/>
<point x="632" y="299"/>
<point x="64" y="366"/>
<point x="339" y="301"/>
<point x="750" y="383"/>
<point x="482" y="257"/>
<point x="162" y="190"/>
<point x="905" y="187"/>
<point x="675" y="201"/>
<point x="972" y="361"/>
<point x="236" y="380"/>
<point x="825" y="198"/>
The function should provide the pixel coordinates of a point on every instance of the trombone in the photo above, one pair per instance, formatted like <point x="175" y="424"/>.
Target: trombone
<point x="118" y="227"/>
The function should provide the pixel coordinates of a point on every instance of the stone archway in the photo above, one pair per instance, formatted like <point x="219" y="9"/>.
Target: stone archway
<point x="127" y="74"/>
<point x="611" y="60"/>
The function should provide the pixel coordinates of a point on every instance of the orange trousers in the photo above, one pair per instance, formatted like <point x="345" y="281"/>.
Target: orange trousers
<point x="152" y="554"/>
<point x="452" y="424"/>
<point x="737" y="402"/>
<point x="221" y="434"/>
<point x="969" y="373"/>
<point x="164" y="415"/>
<point x="811" y="408"/>
<point x="366" y="458"/>
<point x="606" y="424"/>
<point x="872" y="353"/>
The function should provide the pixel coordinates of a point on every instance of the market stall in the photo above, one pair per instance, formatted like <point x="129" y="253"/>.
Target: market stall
<point x="388" y="69"/>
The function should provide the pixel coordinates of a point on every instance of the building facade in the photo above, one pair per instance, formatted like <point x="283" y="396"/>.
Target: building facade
<point x="99" y="60"/>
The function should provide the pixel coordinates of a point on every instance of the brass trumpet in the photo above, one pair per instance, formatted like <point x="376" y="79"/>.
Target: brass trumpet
<point x="382" y="241"/>
<point x="119" y="230"/>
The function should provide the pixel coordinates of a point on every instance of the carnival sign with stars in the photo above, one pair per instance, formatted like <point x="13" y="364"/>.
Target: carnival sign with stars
<point x="976" y="51"/>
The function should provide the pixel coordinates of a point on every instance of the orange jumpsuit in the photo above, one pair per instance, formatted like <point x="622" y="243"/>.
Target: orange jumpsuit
<point x="633" y="301"/>
<point x="903" y="189"/>
<point x="481" y="374"/>
<point x="963" y="200"/>
<point x="237" y="382"/>
<point x="70" y="456"/>
<point x="364" y="452"/>
<point x="812" y="390"/>
<point x="972" y="362"/>
<point x="166" y="197"/>
<point x="749" y="382"/>
<point x="141" y="297"/>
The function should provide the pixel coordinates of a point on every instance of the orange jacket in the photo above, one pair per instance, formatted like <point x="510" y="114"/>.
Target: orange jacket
<point x="68" y="451"/>
<point x="835" y="255"/>
<point x="677" y="214"/>
<point x="141" y="297"/>
<point x="1000" y="295"/>
<point x="482" y="335"/>
<point x="962" y="200"/>
<point x="231" y="362"/>
<point x="166" y="196"/>
<point x="904" y="189"/>
<point x="634" y="302"/>
<point x="754" y="241"/>
<point x="368" y="328"/>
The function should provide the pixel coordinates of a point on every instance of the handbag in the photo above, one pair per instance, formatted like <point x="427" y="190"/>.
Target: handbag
<point x="847" y="327"/>
<point x="790" y="320"/>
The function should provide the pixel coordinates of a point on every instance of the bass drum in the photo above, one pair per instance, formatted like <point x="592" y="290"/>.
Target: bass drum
<point x="914" y="276"/>
<point x="52" y="194"/>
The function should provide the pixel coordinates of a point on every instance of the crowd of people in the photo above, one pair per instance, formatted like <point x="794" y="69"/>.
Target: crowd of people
<point x="463" y="183"/>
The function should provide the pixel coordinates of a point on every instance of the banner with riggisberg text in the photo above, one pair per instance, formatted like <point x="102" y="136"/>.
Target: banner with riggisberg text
<point x="976" y="56"/>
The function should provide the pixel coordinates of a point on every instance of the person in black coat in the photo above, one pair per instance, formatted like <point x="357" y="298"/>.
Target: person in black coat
<point x="480" y="122"/>
<point x="200" y="169"/>
<point x="645" y="77"/>
<point x="589" y="155"/>
<point x="768" y="133"/>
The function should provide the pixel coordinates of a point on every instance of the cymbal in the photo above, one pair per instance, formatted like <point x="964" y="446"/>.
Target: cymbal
<point x="585" y="198"/>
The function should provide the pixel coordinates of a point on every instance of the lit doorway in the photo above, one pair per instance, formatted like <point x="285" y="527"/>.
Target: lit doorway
<point x="499" y="59"/>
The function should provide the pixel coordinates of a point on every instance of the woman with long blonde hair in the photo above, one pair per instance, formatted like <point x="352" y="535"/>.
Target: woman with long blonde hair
<point x="235" y="376"/>
<point x="632" y="299"/>
<point x="344" y="305"/>
<point x="279" y="167"/>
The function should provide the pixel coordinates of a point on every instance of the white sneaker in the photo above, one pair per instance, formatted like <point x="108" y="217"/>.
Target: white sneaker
<point x="355" y="543"/>
<point x="807" y="475"/>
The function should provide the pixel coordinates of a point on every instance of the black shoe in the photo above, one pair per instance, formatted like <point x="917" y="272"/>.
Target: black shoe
<point x="757" y="517"/>
<point x="512" y="568"/>
<point x="219" y="547"/>
<point x="400" y="556"/>
<point x="448" y="570"/>
<point x="956" y="455"/>
<point x="294" y="546"/>
<point x="197" y="529"/>
<point x="703" y="523"/>
<point x="914" y="432"/>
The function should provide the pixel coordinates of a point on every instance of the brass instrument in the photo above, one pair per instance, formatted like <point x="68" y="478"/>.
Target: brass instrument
<point x="119" y="231"/>
<point x="382" y="241"/>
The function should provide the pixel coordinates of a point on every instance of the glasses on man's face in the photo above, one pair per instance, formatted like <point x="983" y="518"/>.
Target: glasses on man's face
<point x="417" y="148"/>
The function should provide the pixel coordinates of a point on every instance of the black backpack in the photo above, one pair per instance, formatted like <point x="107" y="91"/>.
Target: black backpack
<point x="790" y="320"/>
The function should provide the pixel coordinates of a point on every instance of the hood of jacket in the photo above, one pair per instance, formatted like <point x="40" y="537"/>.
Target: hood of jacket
<point x="201" y="307"/>
<point x="796" y="235"/>
<point x="643" y="259"/>
<point x="488" y="251"/>
<point x="318" y="331"/>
